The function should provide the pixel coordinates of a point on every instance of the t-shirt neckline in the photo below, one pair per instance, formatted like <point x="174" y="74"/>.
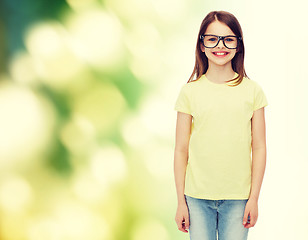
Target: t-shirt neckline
<point x="219" y="84"/>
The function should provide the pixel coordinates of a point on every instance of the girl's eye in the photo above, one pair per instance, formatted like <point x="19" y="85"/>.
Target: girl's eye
<point x="212" y="39"/>
<point x="229" y="39"/>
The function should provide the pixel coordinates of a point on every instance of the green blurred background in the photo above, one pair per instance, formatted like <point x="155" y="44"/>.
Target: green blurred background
<point x="86" y="150"/>
<point x="87" y="125"/>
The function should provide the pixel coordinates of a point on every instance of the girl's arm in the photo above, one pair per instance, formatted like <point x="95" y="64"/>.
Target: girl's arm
<point x="258" y="166"/>
<point x="183" y="130"/>
<point x="258" y="152"/>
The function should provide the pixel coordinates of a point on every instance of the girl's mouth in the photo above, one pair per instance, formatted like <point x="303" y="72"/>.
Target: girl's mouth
<point x="220" y="54"/>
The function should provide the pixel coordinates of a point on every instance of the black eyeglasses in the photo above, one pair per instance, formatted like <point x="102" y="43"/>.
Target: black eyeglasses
<point x="211" y="41"/>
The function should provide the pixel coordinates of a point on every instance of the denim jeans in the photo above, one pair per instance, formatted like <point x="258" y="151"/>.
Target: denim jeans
<point x="211" y="218"/>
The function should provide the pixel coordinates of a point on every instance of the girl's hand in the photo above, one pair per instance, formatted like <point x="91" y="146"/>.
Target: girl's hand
<point x="251" y="211"/>
<point x="182" y="217"/>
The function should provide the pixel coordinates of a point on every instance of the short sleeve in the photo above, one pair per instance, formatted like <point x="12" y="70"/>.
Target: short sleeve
<point x="182" y="103"/>
<point x="260" y="99"/>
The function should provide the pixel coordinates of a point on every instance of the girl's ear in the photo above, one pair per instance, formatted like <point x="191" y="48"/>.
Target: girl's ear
<point x="202" y="47"/>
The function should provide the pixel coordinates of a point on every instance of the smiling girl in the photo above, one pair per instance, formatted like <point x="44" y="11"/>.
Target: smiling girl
<point x="220" y="121"/>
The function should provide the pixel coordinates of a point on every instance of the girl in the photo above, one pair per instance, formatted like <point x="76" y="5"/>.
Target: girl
<point x="220" y="120"/>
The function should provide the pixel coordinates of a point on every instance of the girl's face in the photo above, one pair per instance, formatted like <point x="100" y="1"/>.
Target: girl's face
<point x="220" y="29"/>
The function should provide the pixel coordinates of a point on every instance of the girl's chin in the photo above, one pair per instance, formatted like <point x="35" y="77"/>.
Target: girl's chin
<point x="219" y="61"/>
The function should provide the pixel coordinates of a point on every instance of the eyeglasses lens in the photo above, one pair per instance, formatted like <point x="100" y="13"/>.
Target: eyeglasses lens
<point x="211" y="41"/>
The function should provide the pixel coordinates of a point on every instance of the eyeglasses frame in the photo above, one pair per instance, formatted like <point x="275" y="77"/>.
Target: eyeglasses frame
<point x="220" y="38"/>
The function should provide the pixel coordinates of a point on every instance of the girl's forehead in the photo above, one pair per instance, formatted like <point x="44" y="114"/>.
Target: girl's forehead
<point x="218" y="28"/>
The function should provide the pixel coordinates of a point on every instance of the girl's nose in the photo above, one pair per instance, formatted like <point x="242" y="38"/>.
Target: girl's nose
<point x="221" y="44"/>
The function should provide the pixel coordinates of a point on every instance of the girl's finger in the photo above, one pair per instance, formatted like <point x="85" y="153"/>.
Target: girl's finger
<point x="183" y="227"/>
<point x="246" y="218"/>
<point x="251" y="223"/>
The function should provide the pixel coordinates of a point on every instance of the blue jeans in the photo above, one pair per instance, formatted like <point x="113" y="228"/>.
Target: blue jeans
<point x="209" y="218"/>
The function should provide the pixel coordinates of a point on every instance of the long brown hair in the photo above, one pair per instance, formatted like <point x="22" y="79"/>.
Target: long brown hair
<point x="201" y="62"/>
